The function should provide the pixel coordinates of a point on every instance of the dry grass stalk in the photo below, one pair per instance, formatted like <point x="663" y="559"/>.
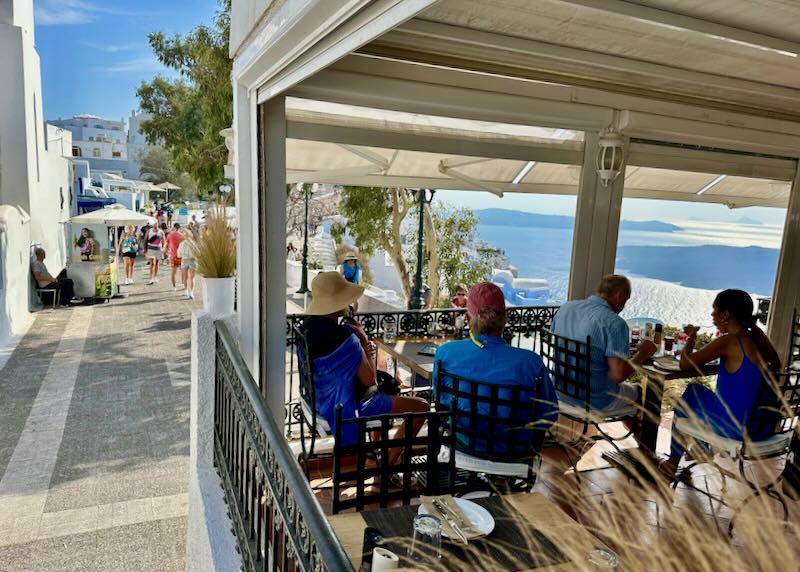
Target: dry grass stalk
<point x="216" y="248"/>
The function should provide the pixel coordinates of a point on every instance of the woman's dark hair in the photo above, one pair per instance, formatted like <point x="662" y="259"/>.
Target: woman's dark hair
<point x="739" y="304"/>
<point x="82" y="239"/>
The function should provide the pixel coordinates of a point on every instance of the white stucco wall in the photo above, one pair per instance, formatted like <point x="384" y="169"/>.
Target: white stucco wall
<point x="14" y="274"/>
<point x="210" y="546"/>
<point x="34" y="175"/>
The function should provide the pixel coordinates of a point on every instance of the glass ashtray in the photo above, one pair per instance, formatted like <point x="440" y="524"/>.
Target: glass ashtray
<point x="603" y="558"/>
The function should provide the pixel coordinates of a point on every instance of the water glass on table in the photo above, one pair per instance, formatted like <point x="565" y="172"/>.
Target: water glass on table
<point x="389" y="332"/>
<point x="426" y="543"/>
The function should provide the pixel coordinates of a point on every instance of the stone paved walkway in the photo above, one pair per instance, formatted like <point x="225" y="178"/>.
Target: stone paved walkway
<point x="94" y="436"/>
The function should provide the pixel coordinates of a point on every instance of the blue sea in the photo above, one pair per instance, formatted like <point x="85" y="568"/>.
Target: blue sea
<point x="709" y="258"/>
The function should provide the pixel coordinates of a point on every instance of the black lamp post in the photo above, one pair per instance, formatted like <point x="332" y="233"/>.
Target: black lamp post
<point x="304" y="276"/>
<point x="417" y="301"/>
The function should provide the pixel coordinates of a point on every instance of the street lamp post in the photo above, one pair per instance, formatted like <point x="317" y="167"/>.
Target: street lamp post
<point x="417" y="301"/>
<point x="304" y="275"/>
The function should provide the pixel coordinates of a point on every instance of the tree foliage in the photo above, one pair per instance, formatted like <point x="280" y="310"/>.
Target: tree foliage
<point x="187" y="113"/>
<point x="157" y="167"/>
<point x="375" y="221"/>
<point x="386" y="219"/>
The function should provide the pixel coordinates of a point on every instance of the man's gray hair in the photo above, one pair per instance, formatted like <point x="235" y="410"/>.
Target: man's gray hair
<point x="38" y="251"/>
<point x="612" y="283"/>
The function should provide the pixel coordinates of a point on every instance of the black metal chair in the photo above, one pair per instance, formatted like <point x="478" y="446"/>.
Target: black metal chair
<point x="311" y="422"/>
<point x="775" y="414"/>
<point x="794" y="342"/>
<point x="494" y="427"/>
<point x="569" y="364"/>
<point x="425" y="467"/>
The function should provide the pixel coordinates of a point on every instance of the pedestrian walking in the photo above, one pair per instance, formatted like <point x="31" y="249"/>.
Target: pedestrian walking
<point x="128" y="246"/>
<point x="174" y="240"/>
<point x="155" y="242"/>
<point x="186" y="254"/>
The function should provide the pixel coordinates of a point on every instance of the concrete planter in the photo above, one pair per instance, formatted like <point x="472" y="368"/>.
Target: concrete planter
<point x="218" y="296"/>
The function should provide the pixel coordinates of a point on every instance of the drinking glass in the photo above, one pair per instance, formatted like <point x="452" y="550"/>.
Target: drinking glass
<point x="389" y="332"/>
<point x="427" y="540"/>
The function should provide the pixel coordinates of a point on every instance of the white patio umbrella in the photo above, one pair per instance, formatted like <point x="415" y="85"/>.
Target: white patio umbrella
<point x="113" y="215"/>
<point x="167" y="186"/>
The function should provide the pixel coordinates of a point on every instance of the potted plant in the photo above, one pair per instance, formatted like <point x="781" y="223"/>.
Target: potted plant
<point x="215" y="253"/>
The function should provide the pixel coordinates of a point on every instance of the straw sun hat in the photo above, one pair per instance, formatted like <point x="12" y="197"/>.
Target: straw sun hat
<point x="349" y="254"/>
<point x="331" y="292"/>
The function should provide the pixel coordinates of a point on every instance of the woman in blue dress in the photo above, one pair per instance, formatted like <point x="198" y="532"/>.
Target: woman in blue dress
<point x="746" y="356"/>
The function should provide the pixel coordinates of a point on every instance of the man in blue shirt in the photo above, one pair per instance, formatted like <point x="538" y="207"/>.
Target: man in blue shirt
<point x="598" y="317"/>
<point x="486" y="357"/>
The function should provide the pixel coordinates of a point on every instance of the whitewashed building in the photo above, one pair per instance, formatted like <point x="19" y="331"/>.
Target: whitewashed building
<point x="101" y="142"/>
<point x="34" y="170"/>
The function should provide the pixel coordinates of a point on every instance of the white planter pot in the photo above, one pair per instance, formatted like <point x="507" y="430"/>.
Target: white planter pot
<point x="218" y="296"/>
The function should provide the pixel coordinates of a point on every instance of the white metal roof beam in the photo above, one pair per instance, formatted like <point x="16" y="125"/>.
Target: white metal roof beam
<point x="449" y="101"/>
<point x="369" y="180"/>
<point x="567" y="154"/>
<point x="714" y="30"/>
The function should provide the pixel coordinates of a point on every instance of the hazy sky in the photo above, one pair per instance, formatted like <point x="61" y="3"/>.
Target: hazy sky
<point x="632" y="209"/>
<point x="94" y="53"/>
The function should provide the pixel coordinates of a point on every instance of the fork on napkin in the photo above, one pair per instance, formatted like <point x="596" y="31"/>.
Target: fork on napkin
<point x="454" y="515"/>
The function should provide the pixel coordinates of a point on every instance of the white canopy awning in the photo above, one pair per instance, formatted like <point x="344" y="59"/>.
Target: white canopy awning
<point x="113" y="215"/>
<point x="351" y="145"/>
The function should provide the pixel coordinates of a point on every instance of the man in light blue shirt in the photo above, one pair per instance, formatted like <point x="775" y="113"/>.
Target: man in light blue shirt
<point x="598" y="318"/>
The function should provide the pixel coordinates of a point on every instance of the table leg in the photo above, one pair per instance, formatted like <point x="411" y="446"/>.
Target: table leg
<point x="642" y="460"/>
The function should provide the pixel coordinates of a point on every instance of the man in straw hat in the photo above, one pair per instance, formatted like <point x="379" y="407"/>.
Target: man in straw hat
<point x="344" y="359"/>
<point x="486" y="357"/>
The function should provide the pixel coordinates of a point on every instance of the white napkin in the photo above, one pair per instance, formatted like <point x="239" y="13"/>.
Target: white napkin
<point x="383" y="559"/>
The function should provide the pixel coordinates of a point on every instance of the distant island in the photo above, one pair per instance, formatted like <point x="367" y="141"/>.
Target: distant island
<point x="747" y="220"/>
<point x="506" y="217"/>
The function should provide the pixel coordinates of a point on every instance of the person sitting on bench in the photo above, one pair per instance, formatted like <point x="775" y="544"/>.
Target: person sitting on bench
<point x="45" y="280"/>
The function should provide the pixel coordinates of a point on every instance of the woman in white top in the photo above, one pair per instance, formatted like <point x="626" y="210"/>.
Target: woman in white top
<point x="188" y="263"/>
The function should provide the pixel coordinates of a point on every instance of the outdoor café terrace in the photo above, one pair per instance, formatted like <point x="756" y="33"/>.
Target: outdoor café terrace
<point x="608" y="100"/>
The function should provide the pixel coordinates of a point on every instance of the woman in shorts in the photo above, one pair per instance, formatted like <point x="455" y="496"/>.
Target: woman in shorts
<point x="128" y="246"/>
<point x="154" y="244"/>
<point x="188" y="263"/>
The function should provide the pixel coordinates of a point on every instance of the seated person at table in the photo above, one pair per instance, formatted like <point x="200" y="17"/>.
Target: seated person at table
<point x="460" y="299"/>
<point x="746" y="356"/>
<point x="598" y="317"/>
<point x="487" y="358"/>
<point x="344" y="360"/>
<point x="45" y="280"/>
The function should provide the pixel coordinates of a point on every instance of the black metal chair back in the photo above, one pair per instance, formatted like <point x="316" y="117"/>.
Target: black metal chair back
<point x="794" y="342"/>
<point x="777" y="406"/>
<point x="306" y="371"/>
<point x="569" y="363"/>
<point x="491" y="420"/>
<point x="419" y="470"/>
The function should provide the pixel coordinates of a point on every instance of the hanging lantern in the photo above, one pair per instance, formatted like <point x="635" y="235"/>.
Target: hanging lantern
<point x="610" y="157"/>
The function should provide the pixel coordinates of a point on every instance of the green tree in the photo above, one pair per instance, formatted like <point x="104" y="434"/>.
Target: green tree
<point x="187" y="114"/>
<point x="375" y="220"/>
<point x="454" y="254"/>
<point x="379" y="218"/>
<point x="157" y="167"/>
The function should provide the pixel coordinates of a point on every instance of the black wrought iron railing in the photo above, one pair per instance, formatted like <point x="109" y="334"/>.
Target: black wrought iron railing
<point x="523" y="323"/>
<point x="277" y="521"/>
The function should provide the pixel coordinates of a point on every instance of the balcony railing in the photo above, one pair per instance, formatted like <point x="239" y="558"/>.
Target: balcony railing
<point x="277" y="521"/>
<point x="524" y="323"/>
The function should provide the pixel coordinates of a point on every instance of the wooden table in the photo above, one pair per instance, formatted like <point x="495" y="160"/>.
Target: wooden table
<point x="540" y="511"/>
<point x="654" y="393"/>
<point x="406" y="352"/>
